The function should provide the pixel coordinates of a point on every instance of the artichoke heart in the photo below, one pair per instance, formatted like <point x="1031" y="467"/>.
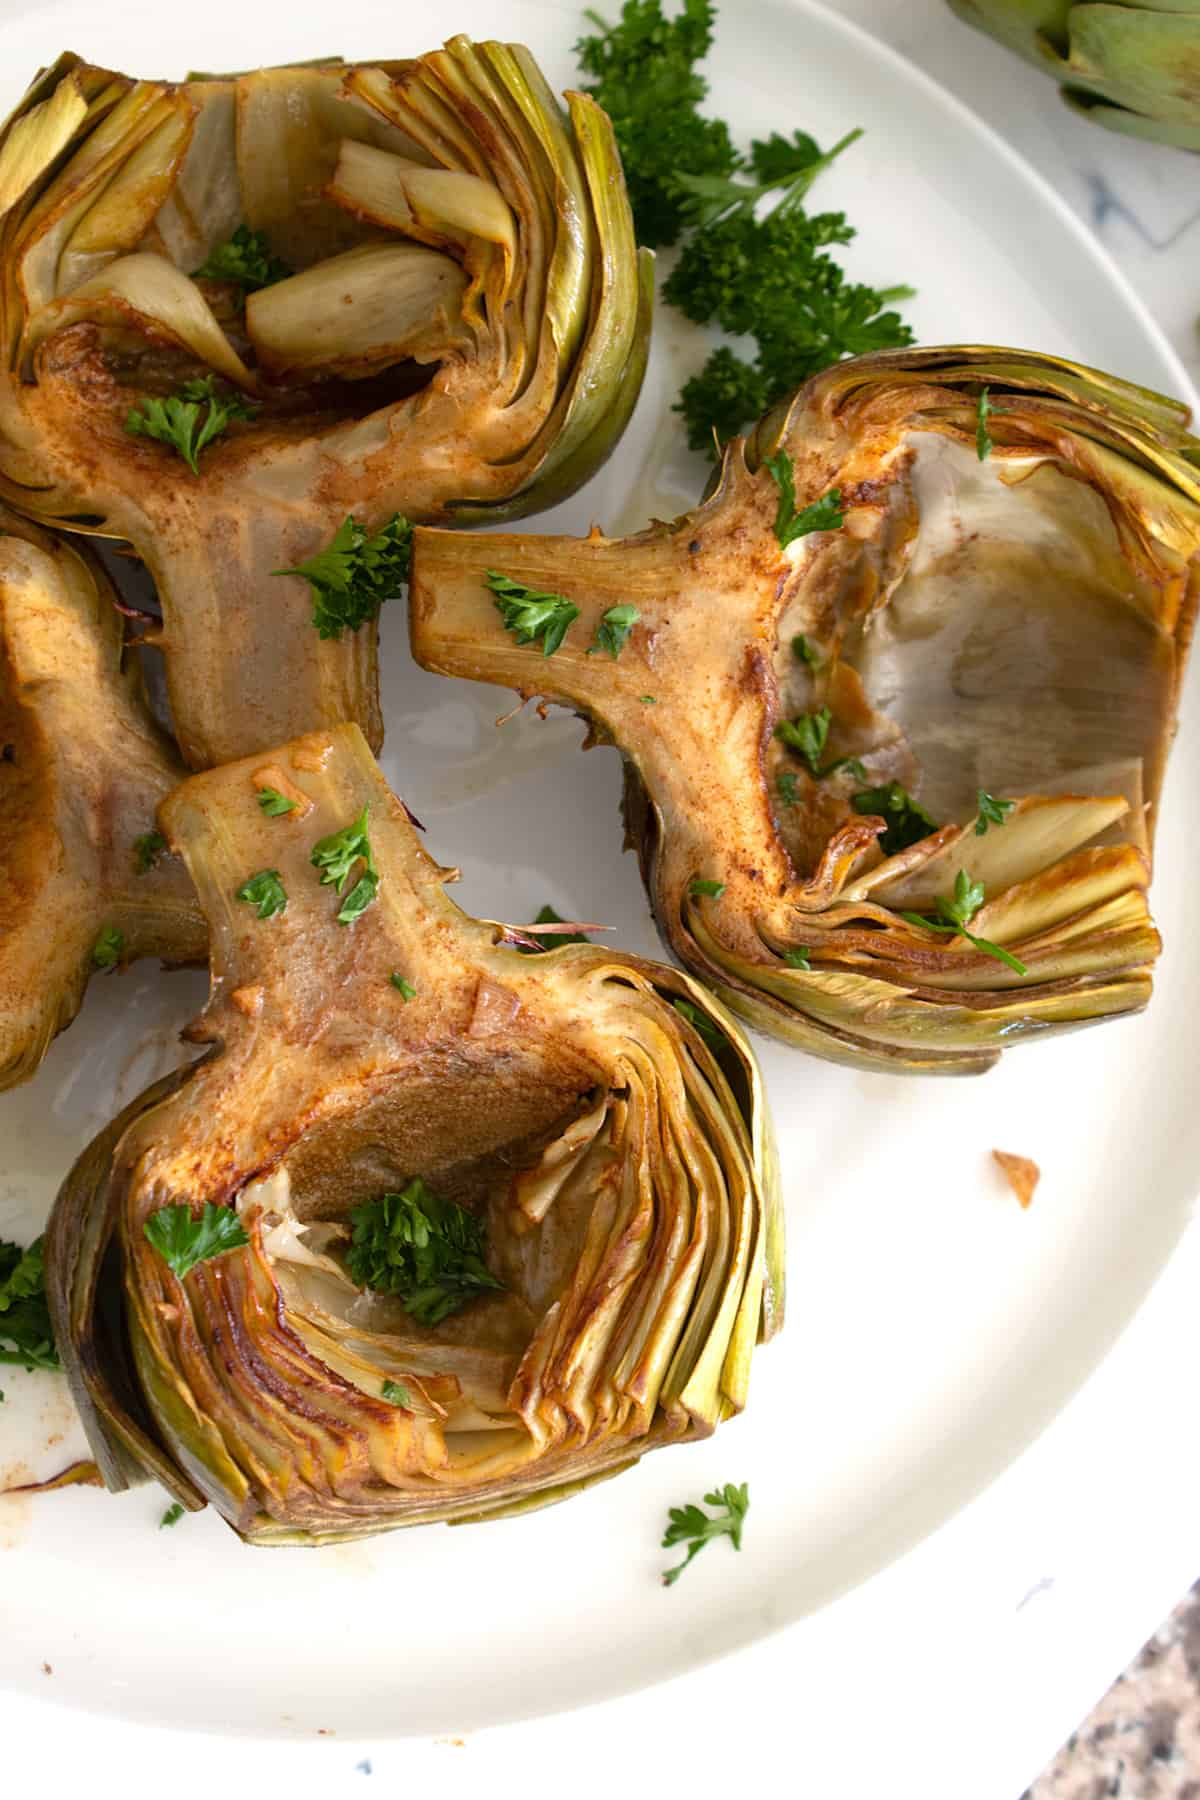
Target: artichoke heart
<point x="481" y="1226"/>
<point x="447" y="318"/>
<point x="894" y="701"/>
<point x="86" y="880"/>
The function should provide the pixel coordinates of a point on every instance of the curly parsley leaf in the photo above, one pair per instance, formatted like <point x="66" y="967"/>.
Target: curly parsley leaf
<point x="991" y="812"/>
<point x="983" y="440"/>
<point x="644" y="76"/>
<point x="529" y="613"/>
<point x="954" y="916"/>
<point x="355" y="573"/>
<point x="26" y="1337"/>
<point x="245" y="259"/>
<point x="824" y="514"/>
<point x="275" y="804"/>
<point x="108" y="948"/>
<point x="147" y="849"/>
<point x="906" y="820"/>
<point x="614" y="629"/>
<point x="692" y="1526"/>
<point x="182" y="1239"/>
<point x="426" y="1250"/>
<point x="189" y="420"/>
<point x="265" y="891"/>
<point x="807" y="735"/>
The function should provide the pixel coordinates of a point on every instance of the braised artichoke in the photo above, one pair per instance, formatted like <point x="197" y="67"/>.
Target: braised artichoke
<point x="895" y="700"/>
<point x="86" y="881"/>
<point x="437" y="1229"/>
<point x="1129" y="66"/>
<point x="235" y="311"/>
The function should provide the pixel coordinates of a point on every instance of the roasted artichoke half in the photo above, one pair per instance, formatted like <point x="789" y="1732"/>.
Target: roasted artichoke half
<point x="895" y="700"/>
<point x="85" y="879"/>
<point x="406" y="287"/>
<point x="438" y="1228"/>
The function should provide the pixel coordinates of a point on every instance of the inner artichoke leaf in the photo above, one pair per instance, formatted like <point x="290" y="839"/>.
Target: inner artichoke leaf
<point x="88" y="881"/>
<point x="896" y="697"/>
<point x="462" y="335"/>
<point x="481" y="1226"/>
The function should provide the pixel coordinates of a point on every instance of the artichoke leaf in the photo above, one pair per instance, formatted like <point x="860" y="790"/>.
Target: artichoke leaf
<point x="621" y="1168"/>
<point x="1016" y="625"/>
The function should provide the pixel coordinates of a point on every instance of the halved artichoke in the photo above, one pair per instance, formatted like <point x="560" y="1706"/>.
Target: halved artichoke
<point x="598" y="1115"/>
<point x="463" y="336"/>
<point x="86" y="881"/>
<point x="822" y="740"/>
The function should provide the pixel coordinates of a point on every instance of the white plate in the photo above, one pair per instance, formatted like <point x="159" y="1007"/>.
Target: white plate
<point x="934" y="1329"/>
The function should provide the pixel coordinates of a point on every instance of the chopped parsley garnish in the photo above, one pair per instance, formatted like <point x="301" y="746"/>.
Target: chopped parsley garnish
<point x="797" y="958"/>
<point x="245" y="259"/>
<point x="355" y="573"/>
<point x="807" y="735"/>
<point x="404" y="988"/>
<point x="614" y="628"/>
<point x="824" y="514"/>
<point x="264" y="891"/>
<point x="692" y="1526"/>
<point x="26" y="1337"/>
<point x="531" y="614"/>
<point x="108" y="947"/>
<point x="787" y="786"/>
<point x="427" y="1251"/>
<point x="708" y="1028"/>
<point x="697" y="886"/>
<point x="189" y="420"/>
<point x="147" y="849"/>
<point x="906" y="820"/>
<point x="991" y="812"/>
<point x="182" y="1239"/>
<point x="395" y="1393"/>
<point x="171" y="1517"/>
<point x="273" y="803"/>
<point x="803" y="651"/>
<point x="954" y="916"/>
<point x="336" y="856"/>
<point x="548" y="916"/>
<point x="648" y="699"/>
<point x="983" y="441"/>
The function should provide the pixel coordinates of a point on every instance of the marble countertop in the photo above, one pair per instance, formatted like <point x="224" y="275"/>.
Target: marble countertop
<point x="1008" y="1625"/>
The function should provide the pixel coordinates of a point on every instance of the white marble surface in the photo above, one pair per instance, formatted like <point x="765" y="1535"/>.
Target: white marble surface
<point x="956" y="1674"/>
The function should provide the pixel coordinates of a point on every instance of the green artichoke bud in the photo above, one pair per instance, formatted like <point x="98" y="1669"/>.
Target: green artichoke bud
<point x="1131" y="67"/>
<point x="83" y="766"/>
<point x="407" y="288"/>
<point x="894" y="701"/>
<point x="439" y="1228"/>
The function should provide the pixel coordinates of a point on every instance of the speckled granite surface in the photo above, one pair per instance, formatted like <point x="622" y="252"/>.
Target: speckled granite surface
<point x="1142" y="1742"/>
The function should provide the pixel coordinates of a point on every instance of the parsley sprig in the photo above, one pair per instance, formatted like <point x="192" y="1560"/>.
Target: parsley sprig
<point x="184" y="1239"/>
<point x="807" y="735"/>
<point x="825" y="514"/>
<point x="692" y="1526"/>
<point x="530" y="613"/>
<point x="147" y="849"/>
<point x="991" y="811"/>
<point x="336" y="856"/>
<point x="245" y="259"/>
<point x="954" y="916"/>
<point x="355" y="573"/>
<point x="708" y="1028"/>
<point x="26" y="1337"/>
<point x="275" y="804"/>
<point x="614" y="629"/>
<point x="906" y="820"/>
<point x="265" y="892"/>
<point x="426" y="1250"/>
<point x="189" y="420"/>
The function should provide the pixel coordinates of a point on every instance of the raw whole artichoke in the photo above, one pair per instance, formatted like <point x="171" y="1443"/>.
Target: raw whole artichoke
<point x="85" y="881"/>
<point x="895" y="700"/>
<point x="1131" y="67"/>
<point x="479" y="1226"/>
<point x="449" y="320"/>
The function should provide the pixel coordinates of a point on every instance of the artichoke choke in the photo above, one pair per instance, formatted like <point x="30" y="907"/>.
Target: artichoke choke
<point x="895" y="700"/>
<point x="438" y="1229"/>
<point x="86" y="881"/>
<point x="235" y="311"/>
